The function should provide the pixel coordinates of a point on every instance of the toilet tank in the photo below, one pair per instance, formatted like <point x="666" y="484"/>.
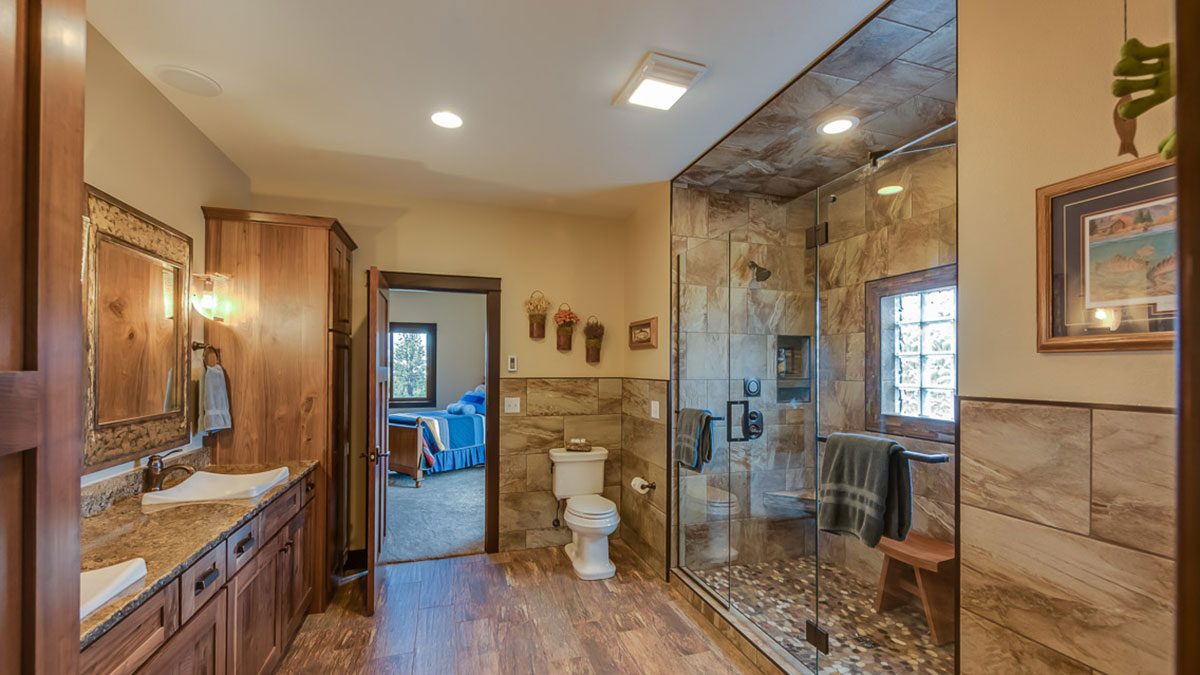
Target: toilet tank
<point x="578" y="473"/>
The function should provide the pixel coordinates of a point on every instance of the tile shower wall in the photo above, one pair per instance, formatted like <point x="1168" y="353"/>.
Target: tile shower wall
<point x="873" y="237"/>
<point x="610" y="412"/>
<point x="1067" y="538"/>
<point x="728" y="330"/>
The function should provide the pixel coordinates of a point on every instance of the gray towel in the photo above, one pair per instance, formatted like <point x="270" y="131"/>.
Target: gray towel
<point x="693" y="438"/>
<point x="866" y="489"/>
<point x="214" y="401"/>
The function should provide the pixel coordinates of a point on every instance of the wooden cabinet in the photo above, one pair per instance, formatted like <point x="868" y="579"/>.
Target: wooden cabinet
<point x="201" y="581"/>
<point x="199" y="647"/>
<point x="295" y="573"/>
<point x="255" y="641"/>
<point x="128" y="645"/>
<point x="293" y="273"/>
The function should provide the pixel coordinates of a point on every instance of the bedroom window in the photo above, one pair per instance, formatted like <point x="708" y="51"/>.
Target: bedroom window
<point x="911" y="360"/>
<point x="414" y="365"/>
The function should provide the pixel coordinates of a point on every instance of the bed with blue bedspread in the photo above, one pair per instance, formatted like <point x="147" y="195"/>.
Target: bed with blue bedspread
<point x="435" y="441"/>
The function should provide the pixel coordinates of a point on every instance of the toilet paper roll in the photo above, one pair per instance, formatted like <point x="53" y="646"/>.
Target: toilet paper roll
<point x="640" y="485"/>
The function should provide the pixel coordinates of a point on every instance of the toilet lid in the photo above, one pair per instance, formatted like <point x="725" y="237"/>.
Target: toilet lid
<point x="591" y="505"/>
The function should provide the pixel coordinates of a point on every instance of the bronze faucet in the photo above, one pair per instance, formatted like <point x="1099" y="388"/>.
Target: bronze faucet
<point x="155" y="473"/>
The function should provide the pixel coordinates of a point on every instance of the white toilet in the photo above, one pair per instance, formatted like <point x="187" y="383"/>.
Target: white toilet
<point x="579" y="478"/>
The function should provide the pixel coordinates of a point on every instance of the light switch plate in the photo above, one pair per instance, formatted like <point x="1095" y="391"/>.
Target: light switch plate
<point x="654" y="409"/>
<point x="512" y="363"/>
<point x="512" y="404"/>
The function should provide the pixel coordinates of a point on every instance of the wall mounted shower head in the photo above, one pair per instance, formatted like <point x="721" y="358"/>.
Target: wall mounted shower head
<point x="760" y="273"/>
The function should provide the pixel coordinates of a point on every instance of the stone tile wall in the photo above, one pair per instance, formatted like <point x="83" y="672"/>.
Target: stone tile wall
<point x="1067" y="538"/>
<point x="609" y="412"/>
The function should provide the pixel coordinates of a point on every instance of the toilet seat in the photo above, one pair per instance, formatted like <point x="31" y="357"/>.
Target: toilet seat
<point x="591" y="507"/>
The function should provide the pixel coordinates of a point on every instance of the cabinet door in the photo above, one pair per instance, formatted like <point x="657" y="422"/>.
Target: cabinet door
<point x="337" y="496"/>
<point x="255" y="643"/>
<point x="198" y="648"/>
<point x="295" y="572"/>
<point x="339" y="284"/>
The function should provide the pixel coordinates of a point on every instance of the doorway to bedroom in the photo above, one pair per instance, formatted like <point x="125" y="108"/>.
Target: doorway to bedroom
<point x="435" y="499"/>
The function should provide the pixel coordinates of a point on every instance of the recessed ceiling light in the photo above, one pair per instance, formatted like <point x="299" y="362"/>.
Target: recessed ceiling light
<point x="838" y="125"/>
<point x="890" y="190"/>
<point x="446" y="119"/>
<point x="191" y="81"/>
<point x="659" y="81"/>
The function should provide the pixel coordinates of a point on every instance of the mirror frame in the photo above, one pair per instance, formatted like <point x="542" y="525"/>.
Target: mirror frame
<point x="115" y="442"/>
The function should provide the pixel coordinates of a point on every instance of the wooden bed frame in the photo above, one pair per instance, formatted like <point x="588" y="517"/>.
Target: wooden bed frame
<point x="405" y="447"/>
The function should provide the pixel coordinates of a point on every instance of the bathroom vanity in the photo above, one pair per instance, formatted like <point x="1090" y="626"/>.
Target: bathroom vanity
<point x="228" y="584"/>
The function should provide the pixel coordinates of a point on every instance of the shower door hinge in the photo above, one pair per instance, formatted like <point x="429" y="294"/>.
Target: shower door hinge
<point x="816" y="235"/>
<point x="816" y="637"/>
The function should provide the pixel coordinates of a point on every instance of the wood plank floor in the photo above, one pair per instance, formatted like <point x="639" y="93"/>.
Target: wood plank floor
<point x="521" y="612"/>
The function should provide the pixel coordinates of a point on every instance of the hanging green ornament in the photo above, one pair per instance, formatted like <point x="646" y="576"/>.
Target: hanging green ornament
<point x="1143" y="68"/>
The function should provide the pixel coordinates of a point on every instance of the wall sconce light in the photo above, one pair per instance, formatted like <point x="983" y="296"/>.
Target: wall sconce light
<point x="210" y="296"/>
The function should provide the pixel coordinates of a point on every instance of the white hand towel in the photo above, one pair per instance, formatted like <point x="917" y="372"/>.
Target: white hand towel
<point x="214" y="401"/>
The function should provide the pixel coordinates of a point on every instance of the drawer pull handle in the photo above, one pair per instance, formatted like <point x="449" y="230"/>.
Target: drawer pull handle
<point x="310" y="487"/>
<point x="207" y="580"/>
<point x="244" y="545"/>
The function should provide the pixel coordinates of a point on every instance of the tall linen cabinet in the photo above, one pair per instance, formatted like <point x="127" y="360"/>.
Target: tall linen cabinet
<point x="285" y="348"/>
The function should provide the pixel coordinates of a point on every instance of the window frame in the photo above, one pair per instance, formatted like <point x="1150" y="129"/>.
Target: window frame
<point x="903" y="425"/>
<point x="430" y="399"/>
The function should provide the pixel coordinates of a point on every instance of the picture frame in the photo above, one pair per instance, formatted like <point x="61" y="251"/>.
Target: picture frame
<point x="1106" y="260"/>
<point x="644" y="334"/>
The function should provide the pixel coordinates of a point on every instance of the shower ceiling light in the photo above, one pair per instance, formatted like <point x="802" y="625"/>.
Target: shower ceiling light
<point x="838" y="125"/>
<point x="890" y="190"/>
<point x="659" y="81"/>
<point x="446" y="119"/>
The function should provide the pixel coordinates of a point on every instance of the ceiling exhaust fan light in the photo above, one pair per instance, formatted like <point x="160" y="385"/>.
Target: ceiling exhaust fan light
<point x="659" y="81"/>
<point x="446" y="119"/>
<point x="838" y="125"/>
<point x="656" y="94"/>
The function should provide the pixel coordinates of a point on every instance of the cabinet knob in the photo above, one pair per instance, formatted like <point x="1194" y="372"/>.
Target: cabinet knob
<point x="310" y="487"/>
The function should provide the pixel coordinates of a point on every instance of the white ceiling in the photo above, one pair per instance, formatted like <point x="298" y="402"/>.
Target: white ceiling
<point x="334" y="97"/>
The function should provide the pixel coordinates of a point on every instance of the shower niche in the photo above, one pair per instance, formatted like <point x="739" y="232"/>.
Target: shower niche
<point x="793" y="368"/>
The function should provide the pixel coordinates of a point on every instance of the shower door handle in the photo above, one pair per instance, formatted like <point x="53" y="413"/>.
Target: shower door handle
<point x="751" y="425"/>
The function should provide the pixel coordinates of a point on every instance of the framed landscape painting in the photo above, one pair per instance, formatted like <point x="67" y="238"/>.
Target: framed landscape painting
<point x="1107" y="277"/>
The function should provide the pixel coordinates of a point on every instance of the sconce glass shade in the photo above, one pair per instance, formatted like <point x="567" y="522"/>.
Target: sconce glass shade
<point x="209" y="298"/>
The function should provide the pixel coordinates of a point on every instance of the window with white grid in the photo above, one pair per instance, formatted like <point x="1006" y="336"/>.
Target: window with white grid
<point x="919" y="354"/>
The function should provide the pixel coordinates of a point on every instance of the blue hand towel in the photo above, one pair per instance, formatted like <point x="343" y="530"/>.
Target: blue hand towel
<point x="214" y="401"/>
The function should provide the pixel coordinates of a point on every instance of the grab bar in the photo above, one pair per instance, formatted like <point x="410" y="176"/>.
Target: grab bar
<point x="939" y="458"/>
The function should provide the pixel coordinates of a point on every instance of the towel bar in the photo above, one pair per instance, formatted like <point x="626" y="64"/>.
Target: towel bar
<point x="940" y="458"/>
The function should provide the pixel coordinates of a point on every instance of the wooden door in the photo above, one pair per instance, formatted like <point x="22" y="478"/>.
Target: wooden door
<point x="295" y="574"/>
<point x="198" y="648"/>
<point x="255" y="634"/>
<point x="41" y="325"/>
<point x="379" y="354"/>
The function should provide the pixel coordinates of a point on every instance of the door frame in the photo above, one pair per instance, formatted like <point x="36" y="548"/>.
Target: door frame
<point x="490" y="287"/>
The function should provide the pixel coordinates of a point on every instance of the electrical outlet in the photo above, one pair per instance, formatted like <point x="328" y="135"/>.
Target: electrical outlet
<point x="512" y="404"/>
<point x="512" y="363"/>
<point x="654" y="409"/>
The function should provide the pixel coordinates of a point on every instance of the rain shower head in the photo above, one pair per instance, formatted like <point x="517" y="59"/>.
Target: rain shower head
<point x="760" y="273"/>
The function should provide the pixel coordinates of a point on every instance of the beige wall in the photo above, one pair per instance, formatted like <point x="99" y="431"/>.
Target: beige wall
<point x="1067" y="513"/>
<point x="461" y="320"/>
<point x="142" y="150"/>
<point x="648" y="282"/>
<point x="1034" y="109"/>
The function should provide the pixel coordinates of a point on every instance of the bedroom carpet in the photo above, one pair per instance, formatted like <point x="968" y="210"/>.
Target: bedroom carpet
<point x="443" y="517"/>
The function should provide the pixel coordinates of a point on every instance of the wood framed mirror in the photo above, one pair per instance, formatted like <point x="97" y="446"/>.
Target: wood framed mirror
<point x="137" y="326"/>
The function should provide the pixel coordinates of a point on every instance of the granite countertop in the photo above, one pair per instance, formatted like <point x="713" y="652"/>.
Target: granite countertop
<point x="169" y="538"/>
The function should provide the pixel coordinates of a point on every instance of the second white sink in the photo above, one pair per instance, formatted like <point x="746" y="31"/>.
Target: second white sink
<point x="210" y="487"/>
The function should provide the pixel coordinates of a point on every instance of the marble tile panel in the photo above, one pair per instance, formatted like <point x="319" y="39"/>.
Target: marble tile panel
<point x="706" y="262"/>
<point x="739" y="310"/>
<point x="538" y="473"/>
<point x="765" y="311"/>
<point x="512" y="473"/>
<point x="693" y="394"/>
<point x="645" y="439"/>
<point x="512" y="387"/>
<point x="636" y="466"/>
<point x="934" y="179"/>
<point x="842" y="408"/>
<point x="601" y="430"/>
<point x="811" y="94"/>
<point x="856" y="349"/>
<point x="799" y="269"/>
<point x="833" y="357"/>
<point x="892" y="84"/>
<point x="512" y="541"/>
<point x="871" y="48"/>
<point x="946" y="90"/>
<point x="693" y="308"/>
<point x="916" y="116"/>
<point x="612" y="468"/>
<point x="1109" y="607"/>
<point x="842" y="310"/>
<point x="638" y="394"/>
<point x="705" y="356"/>
<point x="526" y="510"/>
<point x="861" y="561"/>
<point x="548" y="536"/>
<point x="563" y="396"/>
<point x="689" y="212"/>
<point x="1029" y="461"/>
<point x="934" y="518"/>
<point x="913" y="245"/>
<point x="609" y="390"/>
<point x="924" y="14"/>
<point x="748" y="356"/>
<point x="948" y="235"/>
<point x="844" y="206"/>
<point x="727" y="211"/>
<point x="939" y="50"/>
<point x="524" y="435"/>
<point x="767" y="222"/>
<point x="1133" y="479"/>
<point x="989" y="648"/>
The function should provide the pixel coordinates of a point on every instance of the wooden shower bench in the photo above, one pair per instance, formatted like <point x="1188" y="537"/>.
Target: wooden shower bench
<point x="924" y="568"/>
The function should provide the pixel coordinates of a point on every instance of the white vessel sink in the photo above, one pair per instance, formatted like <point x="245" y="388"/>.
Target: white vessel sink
<point x="97" y="587"/>
<point x="203" y="486"/>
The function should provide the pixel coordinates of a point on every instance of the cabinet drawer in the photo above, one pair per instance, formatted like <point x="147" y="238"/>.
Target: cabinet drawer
<point x="196" y="649"/>
<point x="280" y="511"/>
<point x="127" y="645"/>
<point x="311" y="487"/>
<point x="242" y="545"/>
<point x="201" y="581"/>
